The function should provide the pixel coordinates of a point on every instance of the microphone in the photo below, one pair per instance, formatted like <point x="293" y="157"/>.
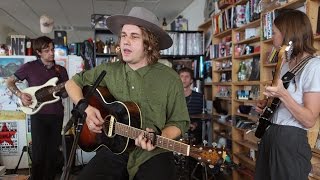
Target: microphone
<point x="76" y="112"/>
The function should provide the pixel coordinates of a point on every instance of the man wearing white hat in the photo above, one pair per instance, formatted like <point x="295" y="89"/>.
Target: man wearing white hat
<point x="139" y="78"/>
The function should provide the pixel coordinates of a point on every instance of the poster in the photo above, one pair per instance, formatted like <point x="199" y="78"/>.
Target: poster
<point x="8" y="137"/>
<point x="9" y="65"/>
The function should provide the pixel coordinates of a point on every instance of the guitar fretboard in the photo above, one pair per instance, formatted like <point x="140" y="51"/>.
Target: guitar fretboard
<point x="56" y="88"/>
<point x="162" y="142"/>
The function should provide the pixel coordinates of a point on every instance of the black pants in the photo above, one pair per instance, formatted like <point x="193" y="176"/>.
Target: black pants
<point x="106" y="165"/>
<point x="46" y="138"/>
<point x="284" y="154"/>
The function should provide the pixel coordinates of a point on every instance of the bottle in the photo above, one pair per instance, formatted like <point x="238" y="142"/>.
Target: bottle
<point x="29" y="48"/>
<point x="112" y="46"/>
<point x="241" y="71"/>
<point x="106" y="49"/>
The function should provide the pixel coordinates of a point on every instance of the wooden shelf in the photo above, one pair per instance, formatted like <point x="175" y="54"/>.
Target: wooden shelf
<point x="252" y="24"/>
<point x="227" y="124"/>
<point x="241" y="2"/>
<point x="247" y="56"/>
<point x="267" y="41"/>
<point x="240" y="140"/>
<point x="269" y="64"/>
<point x="246" y="83"/>
<point x="224" y="98"/>
<point x="222" y="58"/>
<point x="247" y="144"/>
<point x="245" y="101"/>
<point x="249" y="41"/>
<point x="252" y="118"/>
<point x="222" y="83"/>
<point x="222" y="34"/>
<point x="289" y="5"/>
<point x="223" y="70"/>
<point x="206" y="25"/>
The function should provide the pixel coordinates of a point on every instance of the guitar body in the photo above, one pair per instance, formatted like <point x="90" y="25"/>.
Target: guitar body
<point x="127" y="113"/>
<point x="122" y="124"/>
<point x="40" y="97"/>
<point x="273" y="103"/>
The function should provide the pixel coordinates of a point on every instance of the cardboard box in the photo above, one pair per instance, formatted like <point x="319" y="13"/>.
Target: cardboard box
<point x="18" y="45"/>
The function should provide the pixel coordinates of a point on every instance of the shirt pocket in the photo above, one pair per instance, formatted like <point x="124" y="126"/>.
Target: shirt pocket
<point x="155" y="108"/>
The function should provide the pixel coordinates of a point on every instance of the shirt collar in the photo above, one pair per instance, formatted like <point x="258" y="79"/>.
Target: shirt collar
<point x="141" y="71"/>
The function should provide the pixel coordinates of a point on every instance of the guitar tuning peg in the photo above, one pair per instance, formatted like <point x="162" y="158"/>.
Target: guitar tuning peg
<point x="210" y="150"/>
<point x="211" y="166"/>
<point x="214" y="144"/>
<point x="200" y="148"/>
<point x="205" y="142"/>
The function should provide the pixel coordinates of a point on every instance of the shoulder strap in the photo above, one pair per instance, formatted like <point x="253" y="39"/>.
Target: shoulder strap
<point x="286" y="78"/>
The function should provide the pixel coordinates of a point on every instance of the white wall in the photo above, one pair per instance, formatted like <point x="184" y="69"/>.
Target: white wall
<point x="5" y="32"/>
<point x="194" y="14"/>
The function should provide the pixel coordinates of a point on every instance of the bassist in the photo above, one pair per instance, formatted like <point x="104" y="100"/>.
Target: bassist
<point x="46" y="125"/>
<point x="284" y="152"/>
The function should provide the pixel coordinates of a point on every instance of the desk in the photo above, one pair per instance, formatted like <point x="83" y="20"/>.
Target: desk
<point x="206" y="126"/>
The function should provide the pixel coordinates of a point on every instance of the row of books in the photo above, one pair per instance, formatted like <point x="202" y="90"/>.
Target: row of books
<point x="237" y="16"/>
<point x="220" y="50"/>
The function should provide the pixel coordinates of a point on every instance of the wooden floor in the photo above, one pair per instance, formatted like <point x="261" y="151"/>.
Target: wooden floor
<point x="194" y="173"/>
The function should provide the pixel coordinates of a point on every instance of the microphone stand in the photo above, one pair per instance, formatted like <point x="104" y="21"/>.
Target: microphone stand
<point x="80" y="116"/>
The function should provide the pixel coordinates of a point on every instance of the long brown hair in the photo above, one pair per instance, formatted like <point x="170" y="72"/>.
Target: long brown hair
<point x="150" y="44"/>
<point x="295" y="26"/>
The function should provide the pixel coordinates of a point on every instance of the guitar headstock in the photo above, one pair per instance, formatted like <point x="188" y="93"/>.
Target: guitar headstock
<point x="284" y="54"/>
<point x="288" y="50"/>
<point x="208" y="155"/>
<point x="285" y="51"/>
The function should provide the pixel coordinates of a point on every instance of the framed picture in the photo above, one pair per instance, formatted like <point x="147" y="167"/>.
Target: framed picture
<point x="209" y="8"/>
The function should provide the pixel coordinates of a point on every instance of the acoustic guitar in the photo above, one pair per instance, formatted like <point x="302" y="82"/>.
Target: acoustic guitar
<point x="122" y="125"/>
<point x="42" y="95"/>
<point x="273" y="103"/>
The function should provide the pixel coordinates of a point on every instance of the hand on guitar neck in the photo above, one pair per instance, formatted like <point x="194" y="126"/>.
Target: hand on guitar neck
<point x="144" y="142"/>
<point x="276" y="91"/>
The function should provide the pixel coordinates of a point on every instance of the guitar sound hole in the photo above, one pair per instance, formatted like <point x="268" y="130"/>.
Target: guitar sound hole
<point x="108" y="122"/>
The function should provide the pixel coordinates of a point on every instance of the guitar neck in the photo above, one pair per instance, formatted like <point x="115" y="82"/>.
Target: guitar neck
<point x="162" y="142"/>
<point x="57" y="88"/>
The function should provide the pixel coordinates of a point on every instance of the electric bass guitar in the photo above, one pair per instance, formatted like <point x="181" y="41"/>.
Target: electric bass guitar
<point x="122" y="124"/>
<point x="42" y="95"/>
<point x="273" y="103"/>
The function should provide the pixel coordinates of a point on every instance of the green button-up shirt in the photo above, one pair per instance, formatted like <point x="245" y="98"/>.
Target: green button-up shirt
<point x="158" y="91"/>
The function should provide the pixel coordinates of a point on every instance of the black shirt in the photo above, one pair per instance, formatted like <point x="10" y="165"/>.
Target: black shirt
<point x="194" y="103"/>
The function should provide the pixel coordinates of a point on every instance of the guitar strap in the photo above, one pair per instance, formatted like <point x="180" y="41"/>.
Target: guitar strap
<point x="286" y="78"/>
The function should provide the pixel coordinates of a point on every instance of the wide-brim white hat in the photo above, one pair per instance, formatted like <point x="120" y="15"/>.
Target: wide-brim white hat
<point x="141" y="17"/>
<point x="46" y="24"/>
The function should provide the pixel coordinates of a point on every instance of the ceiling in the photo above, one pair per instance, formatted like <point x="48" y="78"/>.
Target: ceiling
<point x="22" y="16"/>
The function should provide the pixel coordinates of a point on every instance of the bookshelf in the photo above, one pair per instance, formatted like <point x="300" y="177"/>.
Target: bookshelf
<point x="244" y="145"/>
